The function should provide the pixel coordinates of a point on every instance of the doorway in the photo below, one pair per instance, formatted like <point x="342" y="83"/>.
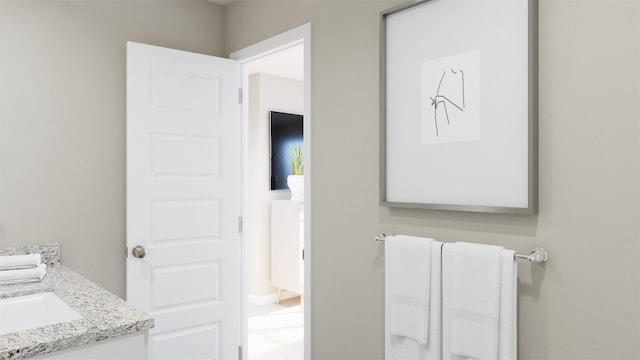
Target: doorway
<point x="276" y="319"/>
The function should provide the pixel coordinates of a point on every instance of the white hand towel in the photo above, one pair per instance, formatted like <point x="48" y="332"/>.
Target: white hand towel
<point x="434" y="351"/>
<point x="508" y="342"/>
<point x="23" y="275"/>
<point x="447" y="256"/>
<point x="471" y="300"/>
<point x="408" y="280"/>
<point x="398" y="347"/>
<point x="13" y="262"/>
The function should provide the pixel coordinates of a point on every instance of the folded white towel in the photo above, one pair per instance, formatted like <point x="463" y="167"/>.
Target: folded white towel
<point x="434" y="351"/>
<point x="13" y="262"/>
<point x="23" y="275"/>
<point x="507" y="345"/>
<point x="397" y="347"/>
<point x="408" y="276"/>
<point x="471" y="300"/>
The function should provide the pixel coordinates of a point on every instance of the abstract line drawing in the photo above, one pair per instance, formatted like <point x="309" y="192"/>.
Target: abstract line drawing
<point x="441" y="100"/>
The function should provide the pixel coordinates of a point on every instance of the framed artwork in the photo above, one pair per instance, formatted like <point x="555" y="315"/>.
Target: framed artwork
<point x="459" y="106"/>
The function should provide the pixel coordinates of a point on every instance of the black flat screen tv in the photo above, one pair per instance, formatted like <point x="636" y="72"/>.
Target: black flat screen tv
<point x="286" y="133"/>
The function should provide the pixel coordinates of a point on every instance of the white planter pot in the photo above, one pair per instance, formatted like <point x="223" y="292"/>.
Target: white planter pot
<point x="296" y="185"/>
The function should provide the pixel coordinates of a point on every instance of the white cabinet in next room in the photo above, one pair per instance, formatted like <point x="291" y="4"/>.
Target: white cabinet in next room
<point x="287" y="245"/>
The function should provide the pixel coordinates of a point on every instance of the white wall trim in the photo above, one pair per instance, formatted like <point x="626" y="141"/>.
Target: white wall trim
<point x="274" y="44"/>
<point x="295" y="36"/>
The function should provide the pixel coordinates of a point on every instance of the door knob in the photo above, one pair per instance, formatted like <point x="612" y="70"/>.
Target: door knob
<point x="139" y="252"/>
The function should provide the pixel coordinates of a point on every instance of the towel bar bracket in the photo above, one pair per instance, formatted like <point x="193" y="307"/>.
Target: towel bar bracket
<point x="537" y="255"/>
<point x="382" y="236"/>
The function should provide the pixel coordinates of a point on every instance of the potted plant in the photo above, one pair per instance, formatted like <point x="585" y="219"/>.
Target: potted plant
<point x="295" y="181"/>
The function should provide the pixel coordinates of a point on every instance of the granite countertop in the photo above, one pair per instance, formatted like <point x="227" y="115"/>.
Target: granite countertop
<point x="105" y="316"/>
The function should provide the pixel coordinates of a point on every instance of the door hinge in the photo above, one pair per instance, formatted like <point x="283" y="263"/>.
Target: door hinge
<point x="239" y="95"/>
<point x="239" y="352"/>
<point x="240" y="224"/>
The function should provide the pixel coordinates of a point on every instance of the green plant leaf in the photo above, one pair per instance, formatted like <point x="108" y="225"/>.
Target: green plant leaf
<point x="295" y="161"/>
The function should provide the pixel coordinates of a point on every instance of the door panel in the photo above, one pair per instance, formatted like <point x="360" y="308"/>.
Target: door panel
<point x="180" y="155"/>
<point x="182" y="220"/>
<point x="191" y="91"/>
<point x="183" y="200"/>
<point x="201" y="342"/>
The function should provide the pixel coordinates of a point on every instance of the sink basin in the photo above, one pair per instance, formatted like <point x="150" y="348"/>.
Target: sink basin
<point x="32" y="311"/>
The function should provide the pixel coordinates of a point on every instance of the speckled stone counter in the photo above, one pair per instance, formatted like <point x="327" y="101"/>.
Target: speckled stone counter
<point x="50" y="253"/>
<point x="105" y="316"/>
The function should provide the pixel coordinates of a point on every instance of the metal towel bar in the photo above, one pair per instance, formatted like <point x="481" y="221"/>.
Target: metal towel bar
<point x="537" y="255"/>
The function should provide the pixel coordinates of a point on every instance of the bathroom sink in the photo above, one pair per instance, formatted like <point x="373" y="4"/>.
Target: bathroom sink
<point x="32" y="311"/>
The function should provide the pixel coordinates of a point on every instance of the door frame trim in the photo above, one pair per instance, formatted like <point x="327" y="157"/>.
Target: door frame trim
<point x="295" y="36"/>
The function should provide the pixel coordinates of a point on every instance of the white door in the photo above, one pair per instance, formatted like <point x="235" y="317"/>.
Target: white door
<point x="183" y="200"/>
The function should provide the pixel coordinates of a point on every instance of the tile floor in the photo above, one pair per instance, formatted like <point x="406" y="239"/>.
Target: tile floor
<point x="276" y="331"/>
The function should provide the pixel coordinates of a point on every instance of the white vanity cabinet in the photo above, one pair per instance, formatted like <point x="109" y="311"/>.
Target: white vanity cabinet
<point x="126" y="347"/>
<point x="287" y="246"/>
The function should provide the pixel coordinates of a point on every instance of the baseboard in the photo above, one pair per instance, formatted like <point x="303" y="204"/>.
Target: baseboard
<point x="270" y="298"/>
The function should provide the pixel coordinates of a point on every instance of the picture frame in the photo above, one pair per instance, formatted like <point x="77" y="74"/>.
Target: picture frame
<point x="285" y="133"/>
<point x="458" y="106"/>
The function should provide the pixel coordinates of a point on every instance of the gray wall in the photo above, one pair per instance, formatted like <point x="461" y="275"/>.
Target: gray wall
<point x="62" y="118"/>
<point x="584" y="304"/>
